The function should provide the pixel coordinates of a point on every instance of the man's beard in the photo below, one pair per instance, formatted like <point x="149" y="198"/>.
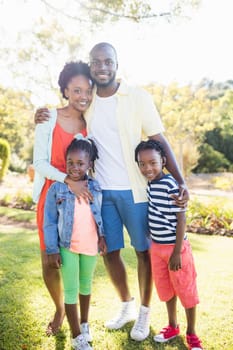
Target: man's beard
<point x="108" y="83"/>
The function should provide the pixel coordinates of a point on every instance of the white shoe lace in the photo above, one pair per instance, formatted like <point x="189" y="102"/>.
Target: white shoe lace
<point x="122" y="314"/>
<point x="85" y="328"/>
<point x="82" y="342"/>
<point x="140" y="324"/>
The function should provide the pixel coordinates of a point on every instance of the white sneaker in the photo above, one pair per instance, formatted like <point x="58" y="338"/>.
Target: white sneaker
<point x="85" y="331"/>
<point x="127" y="313"/>
<point x="80" y="343"/>
<point x="141" y="328"/>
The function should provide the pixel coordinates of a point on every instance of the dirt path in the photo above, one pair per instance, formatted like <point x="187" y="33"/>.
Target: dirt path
<point x="5" y="221"/>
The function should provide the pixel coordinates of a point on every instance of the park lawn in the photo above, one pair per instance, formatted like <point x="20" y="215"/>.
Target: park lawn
<point x="25" y="307"/>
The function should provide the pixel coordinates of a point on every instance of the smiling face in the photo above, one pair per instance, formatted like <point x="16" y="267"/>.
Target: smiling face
<point x="77" y="164"/>
<point x="103" y="65"/>
<point x="151" y="164"/>
<point x="79" y="92"/>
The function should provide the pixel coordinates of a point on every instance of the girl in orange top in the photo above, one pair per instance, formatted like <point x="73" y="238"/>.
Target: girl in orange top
<point x="51" y="141"/>
<point x="73" y="231"/>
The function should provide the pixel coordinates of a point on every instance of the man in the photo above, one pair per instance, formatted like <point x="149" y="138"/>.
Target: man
<point x="118" y="118"/>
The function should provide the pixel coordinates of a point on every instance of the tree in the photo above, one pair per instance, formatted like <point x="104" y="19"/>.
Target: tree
<point x="4" y="157"/>
<point x="212" y="161"/>
<point x="187" y="114"/>
<point x="216" y="90"/>
<point x="133" y="10"/>
<point x="61" y="37"/>
<point x="34" y="69"/>
<point x="16" y="123"/>
<point x="220" y="138"/>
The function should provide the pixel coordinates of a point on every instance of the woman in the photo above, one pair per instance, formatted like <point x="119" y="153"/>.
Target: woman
<point x="51" y="141"/>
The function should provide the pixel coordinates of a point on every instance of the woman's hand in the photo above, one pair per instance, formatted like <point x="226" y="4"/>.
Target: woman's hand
<point x="41" y="115"/>
<point x="79" y="188"/>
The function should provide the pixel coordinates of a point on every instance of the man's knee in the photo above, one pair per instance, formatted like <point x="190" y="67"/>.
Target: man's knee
<point x="112" y="257"/>
<point x="143" y="256"/>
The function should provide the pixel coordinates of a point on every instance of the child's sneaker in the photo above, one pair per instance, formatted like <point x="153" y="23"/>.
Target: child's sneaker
<point x="194" y="342"/>
<point x="85" y="331"/>
<point x="80" y="343"/>
<point x="166" y="334"/>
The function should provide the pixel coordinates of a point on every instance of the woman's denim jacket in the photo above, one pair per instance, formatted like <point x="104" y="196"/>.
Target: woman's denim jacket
<point x="59" y="214"/>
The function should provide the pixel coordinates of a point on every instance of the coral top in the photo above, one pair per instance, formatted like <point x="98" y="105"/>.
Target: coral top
<point x="61" y="140"/>
<point x="84" y="239"/>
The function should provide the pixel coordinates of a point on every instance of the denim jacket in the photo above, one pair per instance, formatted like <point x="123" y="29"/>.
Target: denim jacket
<point x="59" y="214"/>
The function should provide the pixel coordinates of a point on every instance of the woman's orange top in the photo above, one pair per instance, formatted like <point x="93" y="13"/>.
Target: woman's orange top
<point x="61" y="140"/>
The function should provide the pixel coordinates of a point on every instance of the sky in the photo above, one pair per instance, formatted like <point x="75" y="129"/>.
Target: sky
<point x="184" y="51"/>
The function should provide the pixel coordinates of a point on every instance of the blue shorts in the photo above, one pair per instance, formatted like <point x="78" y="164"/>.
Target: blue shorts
<point x="118" y="210"/>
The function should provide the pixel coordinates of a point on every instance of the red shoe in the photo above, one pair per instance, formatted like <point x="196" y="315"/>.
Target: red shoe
<point x="194" y="342"/>
<point x="166" y="334"/>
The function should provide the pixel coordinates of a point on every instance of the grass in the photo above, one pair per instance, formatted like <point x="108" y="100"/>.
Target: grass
<point x="26" y="308"/>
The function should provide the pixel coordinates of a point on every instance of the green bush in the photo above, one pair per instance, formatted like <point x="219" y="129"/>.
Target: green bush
<point x="19" y="200"/>
<point x="4" y="157"/>
<point x="212" y="161"/>
<point x="221" y="140"/>
<point x="209" y="218"/>
<point x="17" y="164"/>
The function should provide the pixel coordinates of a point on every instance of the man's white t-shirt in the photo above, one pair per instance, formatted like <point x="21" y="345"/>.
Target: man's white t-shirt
<point x="110" y="171"/>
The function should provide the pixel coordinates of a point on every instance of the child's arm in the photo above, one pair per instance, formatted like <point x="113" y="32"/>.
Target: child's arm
<point x="96" y="207"/>
<point x="181" y="200"/>
<point x="51" y="222"/>
<point x="51" y="229"/>
<point x="175" y="262"/>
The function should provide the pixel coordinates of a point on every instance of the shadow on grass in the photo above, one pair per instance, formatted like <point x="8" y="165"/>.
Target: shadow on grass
<point x="60" y="340"/>
<point x="22" y="303"/>
<point x="124" y="343"/>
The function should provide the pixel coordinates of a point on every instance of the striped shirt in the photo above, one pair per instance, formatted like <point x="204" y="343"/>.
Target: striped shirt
<point x="162" y="211"/>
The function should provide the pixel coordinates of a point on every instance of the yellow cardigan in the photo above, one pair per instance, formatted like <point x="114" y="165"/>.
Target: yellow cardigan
<point x="137" y="118"/>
